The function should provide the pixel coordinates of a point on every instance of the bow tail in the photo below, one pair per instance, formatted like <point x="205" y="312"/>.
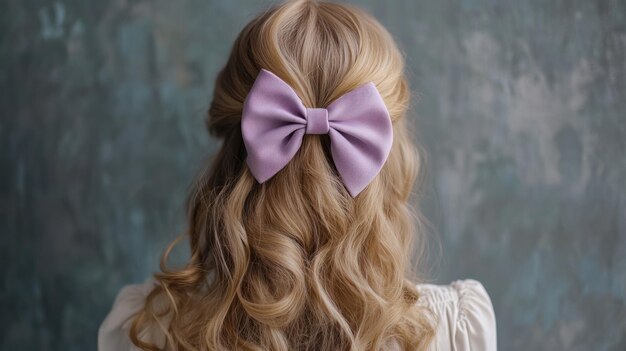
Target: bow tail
<point x="269" y="154"/>
<point x="358" y="160"/>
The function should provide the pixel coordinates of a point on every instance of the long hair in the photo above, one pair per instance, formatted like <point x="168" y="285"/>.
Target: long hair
<point x="296" y="262"/>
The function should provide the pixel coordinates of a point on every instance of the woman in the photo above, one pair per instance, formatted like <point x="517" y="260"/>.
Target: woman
<point x="301" y="230"/>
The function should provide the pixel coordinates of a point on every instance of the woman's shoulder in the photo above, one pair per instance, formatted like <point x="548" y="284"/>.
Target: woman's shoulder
<point x="465" y="315"/>
<point x="113" y="333"/>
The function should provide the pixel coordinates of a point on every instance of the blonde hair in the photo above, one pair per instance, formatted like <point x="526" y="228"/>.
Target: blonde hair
<point x="296" y="262"/>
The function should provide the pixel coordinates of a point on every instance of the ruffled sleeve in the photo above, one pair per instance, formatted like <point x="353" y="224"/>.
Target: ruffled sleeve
<point x="113" y="334"/>
<point x="465" y="316"/>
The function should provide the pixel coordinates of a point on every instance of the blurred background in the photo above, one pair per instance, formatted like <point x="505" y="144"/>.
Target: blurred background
<point x="522" y="113"/>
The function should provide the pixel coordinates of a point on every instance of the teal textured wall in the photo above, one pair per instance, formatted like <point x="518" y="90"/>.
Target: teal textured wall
<point x="522" y="110"/>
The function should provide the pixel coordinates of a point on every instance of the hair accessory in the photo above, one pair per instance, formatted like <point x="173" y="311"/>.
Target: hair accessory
<point x="274" y="121"/>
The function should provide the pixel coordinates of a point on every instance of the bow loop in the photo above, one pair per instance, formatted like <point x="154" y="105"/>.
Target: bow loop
<point x="274" y="121"/>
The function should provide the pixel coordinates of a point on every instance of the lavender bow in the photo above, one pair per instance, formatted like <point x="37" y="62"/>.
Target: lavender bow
<point x="274" y="121"/>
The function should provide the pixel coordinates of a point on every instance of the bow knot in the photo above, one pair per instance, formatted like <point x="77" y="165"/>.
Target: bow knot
<point x="317" y="121"/>
<point x="274" y="121"/>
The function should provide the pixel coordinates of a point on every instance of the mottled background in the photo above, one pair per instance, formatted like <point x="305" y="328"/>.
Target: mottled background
<point x="522" y="112"/>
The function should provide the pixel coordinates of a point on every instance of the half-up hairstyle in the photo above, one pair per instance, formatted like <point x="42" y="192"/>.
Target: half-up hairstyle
<point x="296" y="263"/>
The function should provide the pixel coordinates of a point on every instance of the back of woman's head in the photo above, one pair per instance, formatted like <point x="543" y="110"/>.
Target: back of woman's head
<point x="296" y="262"/>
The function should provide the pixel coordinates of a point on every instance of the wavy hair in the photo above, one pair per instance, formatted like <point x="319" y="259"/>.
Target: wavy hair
<point x="296" y="262"/>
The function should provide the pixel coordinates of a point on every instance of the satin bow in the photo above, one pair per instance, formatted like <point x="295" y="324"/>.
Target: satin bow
<point x="274" y="121"/>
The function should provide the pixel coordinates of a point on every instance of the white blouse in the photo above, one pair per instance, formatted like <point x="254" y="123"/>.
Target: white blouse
<point x="466" y="317"/>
